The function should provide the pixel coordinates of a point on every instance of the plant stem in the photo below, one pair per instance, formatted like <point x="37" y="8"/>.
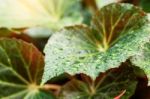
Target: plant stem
<point x="51" y="87"/>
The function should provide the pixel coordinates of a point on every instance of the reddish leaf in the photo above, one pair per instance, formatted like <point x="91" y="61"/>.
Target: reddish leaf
<point x="21" y="69"/>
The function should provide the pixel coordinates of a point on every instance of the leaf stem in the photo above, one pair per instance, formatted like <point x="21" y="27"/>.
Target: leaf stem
<point x="51" y="87"/>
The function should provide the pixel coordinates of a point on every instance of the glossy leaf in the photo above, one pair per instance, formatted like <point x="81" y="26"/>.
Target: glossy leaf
<point x="21" y="68"/>
<point x="29" y="13"/>
<point x="116" y="33"/>
<point x="109" y="85"/>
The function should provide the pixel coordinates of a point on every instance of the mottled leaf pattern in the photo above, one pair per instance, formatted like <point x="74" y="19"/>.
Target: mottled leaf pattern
<point x="116" y="33"/>
<point x="142" y="59"/>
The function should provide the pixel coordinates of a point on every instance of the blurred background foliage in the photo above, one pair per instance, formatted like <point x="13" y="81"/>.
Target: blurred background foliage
<point x="77" y="12"/>
<point x="38" y="19"/>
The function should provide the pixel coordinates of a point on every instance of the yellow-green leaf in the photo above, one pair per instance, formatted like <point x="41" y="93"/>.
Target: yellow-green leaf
<point x="29" y="13"/>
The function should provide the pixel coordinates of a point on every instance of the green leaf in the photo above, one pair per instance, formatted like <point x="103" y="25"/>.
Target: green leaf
<point x="21" y="69"/>
<point x="116" y="33"/>
<point x="107" y="86"/>
<point x="142" y="59"/>
<point x="145" y="4"/>
<point x="52" y="13"/>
